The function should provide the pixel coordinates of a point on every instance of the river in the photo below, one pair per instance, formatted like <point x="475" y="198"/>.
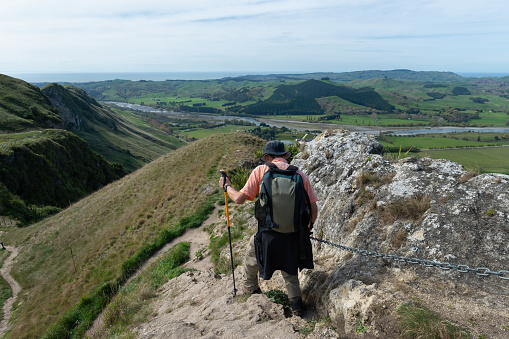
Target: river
<point x="186" y="115"/>
<point x="308" y="126"/>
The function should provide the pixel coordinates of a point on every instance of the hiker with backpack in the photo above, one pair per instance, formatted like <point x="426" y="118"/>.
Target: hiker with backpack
<point x="286" y="210"/>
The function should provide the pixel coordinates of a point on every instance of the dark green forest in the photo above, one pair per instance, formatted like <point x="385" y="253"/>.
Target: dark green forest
<point x="300" y="99"/>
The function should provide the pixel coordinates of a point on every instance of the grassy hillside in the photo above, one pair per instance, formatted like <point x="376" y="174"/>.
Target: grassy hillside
<point x="48" y="168"/>
<point x="116" y="137"/>
<point x="43" y="169"/>
<point x="109" y="227"/>
<point x="23" y="107"/>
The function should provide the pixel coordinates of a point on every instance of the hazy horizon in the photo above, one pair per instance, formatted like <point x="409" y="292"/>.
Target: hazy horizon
<point x="76" y="77"/>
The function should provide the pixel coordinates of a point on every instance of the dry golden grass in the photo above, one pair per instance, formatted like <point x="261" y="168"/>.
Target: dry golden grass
<point x="467" y="176"/>
<point x="107" y="227"/>
<point x="411" y="208"/>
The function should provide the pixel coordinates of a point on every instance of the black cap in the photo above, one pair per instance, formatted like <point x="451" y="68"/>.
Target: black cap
<point x="275" y="147"/>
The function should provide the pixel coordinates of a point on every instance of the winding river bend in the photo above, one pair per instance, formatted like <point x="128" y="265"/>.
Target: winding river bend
<point x="304" y="126"/>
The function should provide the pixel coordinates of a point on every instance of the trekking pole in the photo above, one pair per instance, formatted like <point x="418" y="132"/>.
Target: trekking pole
<point x="223" y="173"/>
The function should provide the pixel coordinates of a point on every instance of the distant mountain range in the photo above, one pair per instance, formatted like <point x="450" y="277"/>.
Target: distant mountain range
<point x="397" y="74"/>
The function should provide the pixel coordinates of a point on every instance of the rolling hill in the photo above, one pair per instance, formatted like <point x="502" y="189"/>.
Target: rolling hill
<point x="301" y="98"/>
<point x="22" y="107"/>
<point x="58" y="145"/>
<point x="110" y="227"/>
<point x="106" y="131"/>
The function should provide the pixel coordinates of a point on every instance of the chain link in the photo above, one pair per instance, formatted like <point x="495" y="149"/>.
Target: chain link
<point x="480" y="271"/>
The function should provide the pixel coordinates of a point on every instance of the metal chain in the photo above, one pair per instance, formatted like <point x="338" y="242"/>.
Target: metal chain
<point x="480" y="271"/>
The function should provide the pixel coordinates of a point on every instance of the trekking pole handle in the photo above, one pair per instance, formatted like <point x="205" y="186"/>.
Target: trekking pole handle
<point x="223" y="173"/>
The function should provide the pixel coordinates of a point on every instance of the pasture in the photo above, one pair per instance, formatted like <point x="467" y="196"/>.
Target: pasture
<point x="480" y="160"/>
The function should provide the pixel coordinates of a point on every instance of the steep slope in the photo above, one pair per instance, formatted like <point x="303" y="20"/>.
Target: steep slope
<point x="48" y="168"/>
<point x="110" y="226"/>
<point x="42" y="169"/>
<point x="107" y="132"/>
<point x="22" y="107"/>
<point x="414" y="248"/>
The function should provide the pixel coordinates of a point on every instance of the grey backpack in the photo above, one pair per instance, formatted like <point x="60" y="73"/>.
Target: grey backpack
<point x="283" y="203"/>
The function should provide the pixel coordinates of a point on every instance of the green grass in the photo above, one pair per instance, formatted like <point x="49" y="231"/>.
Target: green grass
<point x="478" y="159"/>
<point x="108" y="228"/>
<point x="23" y="106"/>
<point x="154" y="98"/>
<point x="134" y="144"/>
<point x="203" y="133"/>
<point x="419" y="322"/>
<point x="484" y="160"/>
<point x="494" y="118"/>
<point x="451" y="140"/>
<point x="5" y="289"/>
<point x="75" y="322"/>
<point x="132" y="304"/>
<point x="16" y="137"/>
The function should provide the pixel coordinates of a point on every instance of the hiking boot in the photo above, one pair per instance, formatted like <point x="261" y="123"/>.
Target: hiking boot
<point x="298" y="307"/>
<point x="256" y="291"/>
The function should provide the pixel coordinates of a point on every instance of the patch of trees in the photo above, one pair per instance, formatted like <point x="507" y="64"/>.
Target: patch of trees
<point x="436" y="95"/>
<point x="240" y="95"/>
<point x="458" y="117"/>
<point x="460" y="91"/>
<point x="265" y="133"/>
<point x="229" y="104"/>
<point x="268" y="133"/>
<point x="299" y="105"/>
<point x="301" y="98"/>
<point x="335" y="116"/>
<point x="479" y="100"/>
<point x="434" y="86"/>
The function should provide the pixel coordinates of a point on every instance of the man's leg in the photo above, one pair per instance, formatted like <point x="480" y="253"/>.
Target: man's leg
<point x="294" y="293"/>
<point x="250" y="268"/>
<point x="292" y="285"/>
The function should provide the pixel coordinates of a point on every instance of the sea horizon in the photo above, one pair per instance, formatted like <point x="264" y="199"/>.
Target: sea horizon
<point x="73" y="77"/>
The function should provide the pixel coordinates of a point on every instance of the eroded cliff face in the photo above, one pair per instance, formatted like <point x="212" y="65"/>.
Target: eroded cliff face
<point x="417" y="208"/>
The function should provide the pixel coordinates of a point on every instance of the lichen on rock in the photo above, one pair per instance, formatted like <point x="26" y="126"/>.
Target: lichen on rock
<point x="413" y="207"/>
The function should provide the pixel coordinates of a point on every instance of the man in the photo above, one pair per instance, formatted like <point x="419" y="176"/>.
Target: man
<point x="274" y="152"/>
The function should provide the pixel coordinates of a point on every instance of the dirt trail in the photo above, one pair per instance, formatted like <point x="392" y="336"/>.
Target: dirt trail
<point x="198" y="239"/>
<point x="6" y="274"/>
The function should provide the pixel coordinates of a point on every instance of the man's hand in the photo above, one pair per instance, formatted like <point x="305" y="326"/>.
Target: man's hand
<point x="222" y="183"/>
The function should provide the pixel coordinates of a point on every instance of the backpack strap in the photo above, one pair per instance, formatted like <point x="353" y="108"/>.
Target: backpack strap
<point x="290" y="170"/>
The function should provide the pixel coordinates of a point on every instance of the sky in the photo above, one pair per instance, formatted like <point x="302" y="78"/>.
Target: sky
<point x="253" y="36"/>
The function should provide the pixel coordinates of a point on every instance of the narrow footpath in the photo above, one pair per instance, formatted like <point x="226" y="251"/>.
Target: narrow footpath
<point x="6" y="274"/>
<point x="198" y="239"/>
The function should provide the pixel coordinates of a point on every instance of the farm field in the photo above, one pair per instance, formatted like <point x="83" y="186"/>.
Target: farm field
<point x="488" y="155"/>
<point x="449" y="140"/>
<point x="482" y="160"/>
<point x="153" y="99"/>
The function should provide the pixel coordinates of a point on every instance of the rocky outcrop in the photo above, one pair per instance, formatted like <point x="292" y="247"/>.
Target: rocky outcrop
<point x="421" y="208"/>
<point x="426" y="209"/>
